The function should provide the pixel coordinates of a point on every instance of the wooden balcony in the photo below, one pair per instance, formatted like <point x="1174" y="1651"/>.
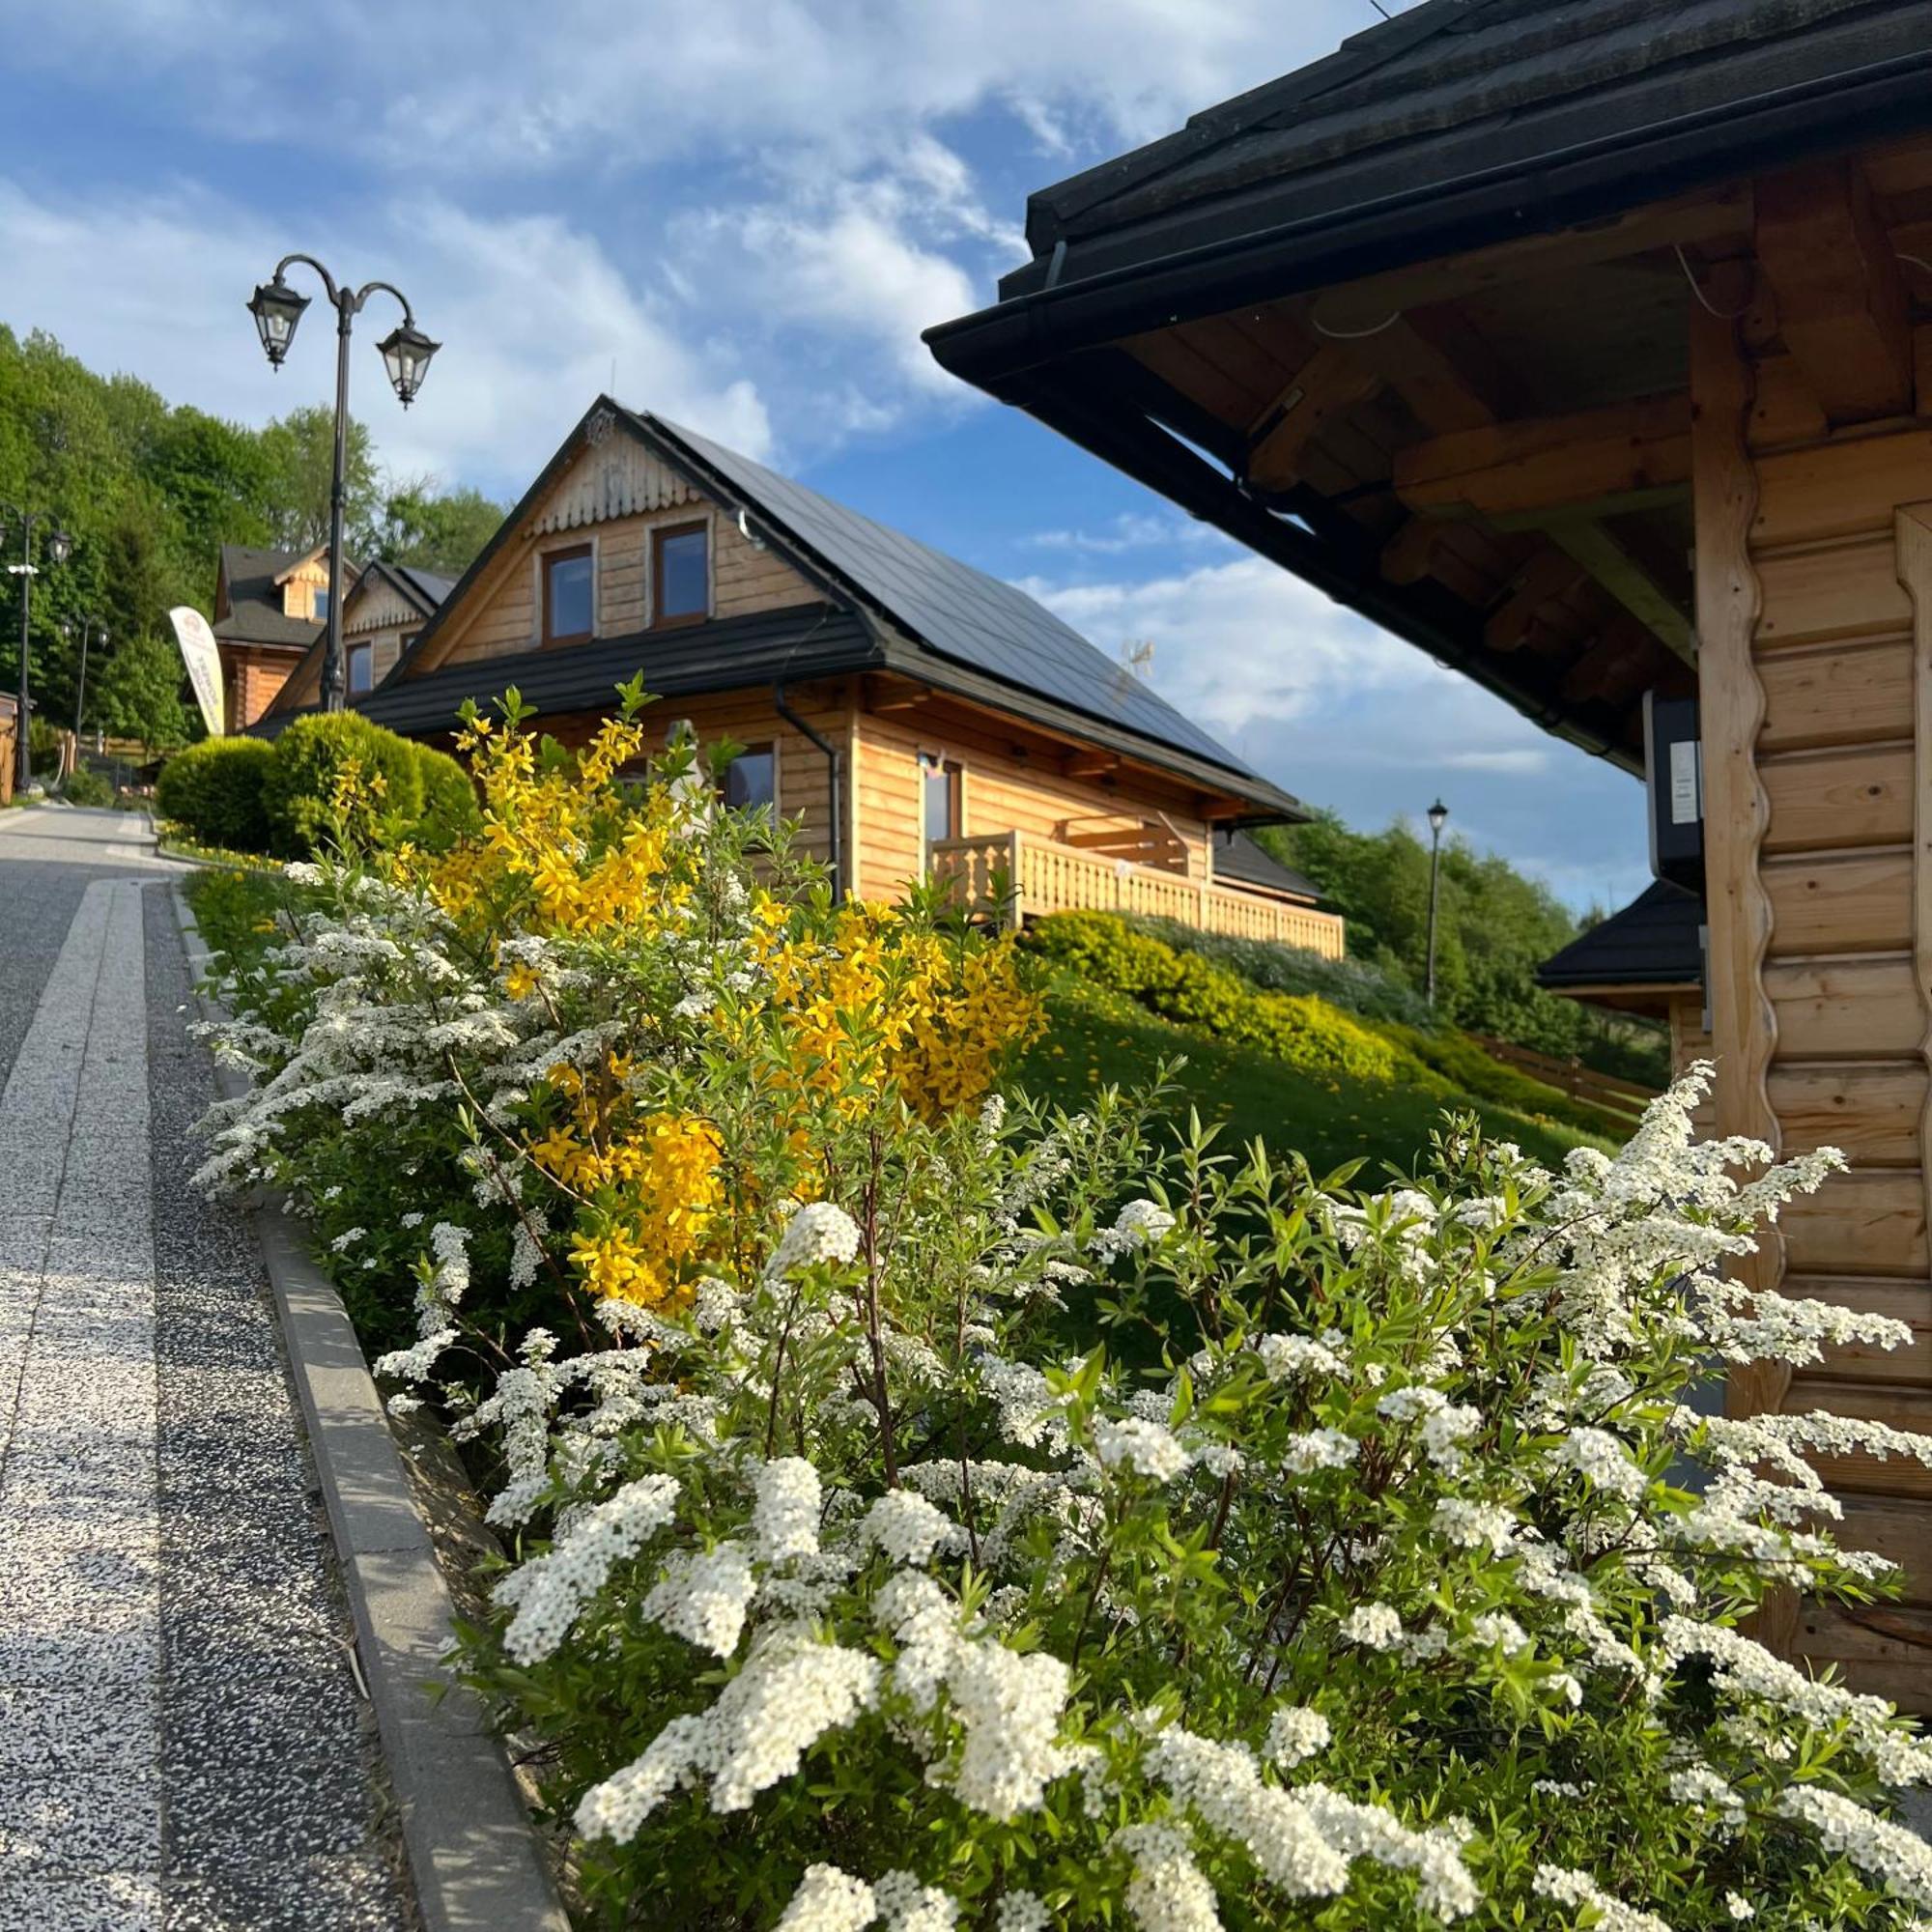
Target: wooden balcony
<point x="1011" y="877"/>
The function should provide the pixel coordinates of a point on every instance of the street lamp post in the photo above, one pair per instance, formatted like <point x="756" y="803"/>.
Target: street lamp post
<point x="90" y="628"/>
<point x="59" y="545"/>
<point x="1439" y="815"/>
<point x="406" y="353"/>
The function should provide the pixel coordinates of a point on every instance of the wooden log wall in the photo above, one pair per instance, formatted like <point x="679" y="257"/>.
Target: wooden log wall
<point x="1009" y="780"/>
<point x="1814" y="565"/>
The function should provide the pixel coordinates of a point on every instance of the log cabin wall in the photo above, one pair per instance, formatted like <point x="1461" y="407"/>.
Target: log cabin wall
<point x="746" y="717"/>
<point x="611" y="497"/>
<point x="1010" y="779"/>
<point x="1817" y="760"/>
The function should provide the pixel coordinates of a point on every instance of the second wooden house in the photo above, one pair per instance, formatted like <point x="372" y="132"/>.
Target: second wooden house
<point x="917" y="717"/>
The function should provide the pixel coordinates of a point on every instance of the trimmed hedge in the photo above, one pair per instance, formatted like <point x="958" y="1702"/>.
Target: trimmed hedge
<point x="1306" y="1033"/>
<point x="1354" y="985"/>
<point x="449" y="810"/>
<point x="245" y="795"/>
<point x="213" y="791"/>
<point x="312" y="754"/>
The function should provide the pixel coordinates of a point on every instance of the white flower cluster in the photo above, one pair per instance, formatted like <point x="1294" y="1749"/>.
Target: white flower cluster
<point x="790" y="1694"/>
<point x="909" y="1529"/>
<point x="549" y="1592"/>
<point x="1294" y="1735"/>
<point x="817" y="1233"/>
<point x="788" y="1499"/>
<point x="1145" y="1447"/>
<point x="829" y="1900"/>
<point x="703" y="1596"/>
<point x="1140" y="1224"/>
<point x="1579" y="1892"/>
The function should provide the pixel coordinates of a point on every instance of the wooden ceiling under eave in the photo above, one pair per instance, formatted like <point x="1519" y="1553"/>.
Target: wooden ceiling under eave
<point x="1510" y="427"/>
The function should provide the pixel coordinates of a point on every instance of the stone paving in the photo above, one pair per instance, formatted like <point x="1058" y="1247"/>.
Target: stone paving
<point x="182" y="1745"/>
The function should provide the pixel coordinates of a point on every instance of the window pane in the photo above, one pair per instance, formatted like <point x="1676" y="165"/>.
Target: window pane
<point x="683" y="589"/>
<point x="942" y="798"/>
<point x="752" y="777"/>
<point x="568" y="578"/>
<point x="360" y="658"/>
<point x="321" y="606"/>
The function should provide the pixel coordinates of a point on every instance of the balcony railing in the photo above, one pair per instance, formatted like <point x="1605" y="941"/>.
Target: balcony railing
<point x="1009" y="876"/>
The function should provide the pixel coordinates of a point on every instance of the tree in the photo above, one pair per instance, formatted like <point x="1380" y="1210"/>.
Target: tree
<point x="139" y="695"/>
<point x="300" y="450"/>
<point x="434" y="529"/>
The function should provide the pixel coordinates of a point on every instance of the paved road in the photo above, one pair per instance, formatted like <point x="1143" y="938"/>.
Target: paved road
<point x="182" y="1747"/>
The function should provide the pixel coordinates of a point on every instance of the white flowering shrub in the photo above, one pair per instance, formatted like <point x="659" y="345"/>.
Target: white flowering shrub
<point x="1024" y="1521"/>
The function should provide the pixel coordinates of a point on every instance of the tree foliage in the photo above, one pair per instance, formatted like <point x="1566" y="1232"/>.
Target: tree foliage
<point x="150" y="492"/>
<point x="1495" y="927"/>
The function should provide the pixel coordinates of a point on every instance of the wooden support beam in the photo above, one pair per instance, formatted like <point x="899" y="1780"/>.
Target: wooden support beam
<point x="1547" y="575"/>
<point x="1091" y="764"/>
<point x="1842" y="304"/>
<point x="1327" y="386"/>
<point x="1410" y="555"/>
<point x="1441" y="366"/>
<point x="1607" y="559"/>
<point x="1623" y="659"/>
<point x="1549" y="464"/>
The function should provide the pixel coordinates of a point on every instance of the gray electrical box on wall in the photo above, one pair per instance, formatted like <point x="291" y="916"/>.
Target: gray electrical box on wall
<point x="1674" y="768"/>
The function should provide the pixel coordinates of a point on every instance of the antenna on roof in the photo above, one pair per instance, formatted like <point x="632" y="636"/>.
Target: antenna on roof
<point x="1382" y="10"/>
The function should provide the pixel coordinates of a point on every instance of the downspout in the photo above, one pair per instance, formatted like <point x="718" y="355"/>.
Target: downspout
<point x="836" y="838"/>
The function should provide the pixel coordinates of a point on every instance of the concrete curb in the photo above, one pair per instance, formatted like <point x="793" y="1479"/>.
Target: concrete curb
<point x="472" y="1850"/>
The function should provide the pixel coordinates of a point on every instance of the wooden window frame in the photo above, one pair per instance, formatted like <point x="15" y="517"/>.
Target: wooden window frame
<point x="691" y="527"/>
<point x="954" y="768"/>
<point x="769" y="746"/>
<point x="349" y="669"/>
<point x="565" y="553"/>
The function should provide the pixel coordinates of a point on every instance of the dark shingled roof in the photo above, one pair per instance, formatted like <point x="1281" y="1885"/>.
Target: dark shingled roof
<point x="1452" y="90"/>
<point x="1243" y="860"/>
<point x="955" y="611"/>
<point x="1652" y="941"/>
<point x="255" y="614"/>
<point x="800" y="643"/>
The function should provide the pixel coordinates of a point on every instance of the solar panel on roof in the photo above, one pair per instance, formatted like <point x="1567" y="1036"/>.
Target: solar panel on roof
<point x="960" y="613"/>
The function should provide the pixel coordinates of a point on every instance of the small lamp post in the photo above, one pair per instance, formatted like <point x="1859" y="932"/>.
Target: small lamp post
<point x="59" y="546"/>
<point x="90" y="629"/>
<point x="1439" y="816"/>
<point x="406" y="354"/>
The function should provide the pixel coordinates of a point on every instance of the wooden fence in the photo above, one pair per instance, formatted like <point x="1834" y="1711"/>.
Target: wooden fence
<point x="1626" y="1098"/>
<point x="1008" y="875"/>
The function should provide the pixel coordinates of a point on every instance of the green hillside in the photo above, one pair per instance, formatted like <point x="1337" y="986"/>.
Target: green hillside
<point x="1299" y="1073"/>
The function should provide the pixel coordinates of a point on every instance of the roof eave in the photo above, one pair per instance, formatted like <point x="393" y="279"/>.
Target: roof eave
<point x="1049" y="307"/>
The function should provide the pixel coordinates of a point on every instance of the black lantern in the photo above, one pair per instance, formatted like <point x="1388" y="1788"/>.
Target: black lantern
<point x="1439" y="816"/>
<point x="406" y="351"/>
<point x="60" y="545"/>
<point x="276" y="308"/>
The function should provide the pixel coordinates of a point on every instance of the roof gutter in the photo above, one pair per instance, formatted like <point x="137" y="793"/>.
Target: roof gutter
<point x="1583" y="181"/>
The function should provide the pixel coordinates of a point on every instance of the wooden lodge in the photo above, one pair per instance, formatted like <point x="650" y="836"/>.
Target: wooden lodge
<point x="269" y="606"/>
<point x="1588" y="345"/>
<point x="382" y="614"/>
<point x="915" y="717"/>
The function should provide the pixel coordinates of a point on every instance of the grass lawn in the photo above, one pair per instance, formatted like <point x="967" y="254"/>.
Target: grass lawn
<point x="1095" y="1036"/>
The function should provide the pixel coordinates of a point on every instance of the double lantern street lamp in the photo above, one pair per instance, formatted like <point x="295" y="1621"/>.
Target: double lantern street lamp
<point x="406" y="353"/>
<point x="59" y="546"/>
<point x="1439" y="816"/>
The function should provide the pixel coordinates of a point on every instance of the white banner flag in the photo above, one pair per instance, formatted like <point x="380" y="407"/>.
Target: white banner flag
<point x="203" y="657"/>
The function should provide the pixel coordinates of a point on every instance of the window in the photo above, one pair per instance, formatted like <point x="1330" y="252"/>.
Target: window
<point x="751" y="778"/>
<point x="408" y="640"/>
<point x="319" y="609"/>
<point x="362" y="669"/>
<point x="940" y="780"/>
<point x="680" y="574"/>
<point x="566" y="595"/>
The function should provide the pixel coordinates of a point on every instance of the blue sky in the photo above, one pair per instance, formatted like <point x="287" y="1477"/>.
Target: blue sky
<point x="747" y="214"/>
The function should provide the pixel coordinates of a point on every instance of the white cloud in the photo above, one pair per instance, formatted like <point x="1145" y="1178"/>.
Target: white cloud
<point x="506" y="86"/>
<point x="1346" y="715"/>
<point x="531" y="312"/>
<point x="1523" y="759"/>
